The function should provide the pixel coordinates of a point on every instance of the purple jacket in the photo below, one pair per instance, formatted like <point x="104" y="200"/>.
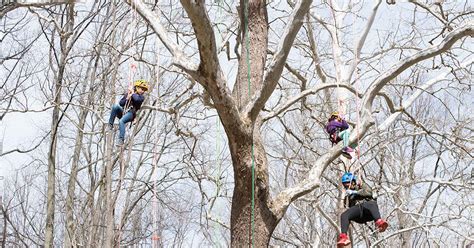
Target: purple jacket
<point x="333" y="125"/>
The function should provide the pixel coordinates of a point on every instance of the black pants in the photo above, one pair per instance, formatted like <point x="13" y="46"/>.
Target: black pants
<point x="360" y="213"/>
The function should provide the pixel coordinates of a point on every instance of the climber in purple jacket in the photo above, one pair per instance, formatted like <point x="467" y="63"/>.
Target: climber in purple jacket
<point x="338" y="130"/>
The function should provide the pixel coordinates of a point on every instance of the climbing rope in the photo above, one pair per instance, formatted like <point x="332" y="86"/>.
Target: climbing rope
<point x="247" y="45"/>
<point x="131" y="75"/>
<point x="356" y="75"/>
<point x="155" y="237"/>
<point x="358" y="105"/>
<point x="358" y="149"/>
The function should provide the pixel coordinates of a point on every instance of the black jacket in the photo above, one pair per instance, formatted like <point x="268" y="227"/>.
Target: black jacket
<point x="135" y="103"/>
<point x="364" y="193"/>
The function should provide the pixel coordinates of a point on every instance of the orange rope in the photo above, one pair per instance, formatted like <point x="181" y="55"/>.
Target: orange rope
<point x="155" y="238"/>
<point x="131" y="75"/>
<point x="356" y="80"/>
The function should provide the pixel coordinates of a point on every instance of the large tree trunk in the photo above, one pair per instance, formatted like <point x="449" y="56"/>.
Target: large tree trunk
<point x="246" y="230"/>
<point x="252" y="222"/>
<point x="256" y="43"/>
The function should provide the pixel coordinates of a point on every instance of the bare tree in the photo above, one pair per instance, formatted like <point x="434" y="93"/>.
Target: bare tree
<point x="271" y="88"/>
<point x="254" y="213"/>
<point x="87" y="89"/>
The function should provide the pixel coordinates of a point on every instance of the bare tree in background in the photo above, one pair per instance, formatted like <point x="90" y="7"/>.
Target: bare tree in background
<point x="59" y="58"/>
<point x="91" y="71"/>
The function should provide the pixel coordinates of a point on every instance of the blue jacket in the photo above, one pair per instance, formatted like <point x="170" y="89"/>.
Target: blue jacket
<point x="333" y="125"/>
<point x="135" y="103"/>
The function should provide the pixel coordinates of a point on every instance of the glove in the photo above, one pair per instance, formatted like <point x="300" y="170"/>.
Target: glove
<point x="351" y="192"/>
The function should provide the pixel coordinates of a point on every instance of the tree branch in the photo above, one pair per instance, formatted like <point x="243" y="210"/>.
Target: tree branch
<point x="408" y="102"/>
<point x="327" y="217"/>
<point x="314" y="50"/>
<point x="338" y="15"/>
<point x="205" y="36"/>
<point x="312" y="181"/>
<point x="375" y="244"/>
<point x="211" y="76"/>
<point x="361" y="41"/>
<point x="380" y="82"/>
<point x="279" y="59"/>
<point x="208" y="73"/>
<point x="439" y="17"/>
<point x="179" y="58"/>
<point x="305" y="93"/>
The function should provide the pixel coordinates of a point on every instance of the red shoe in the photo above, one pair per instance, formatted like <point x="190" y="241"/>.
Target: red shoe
<point x="381" y="225"/>
<point x="343" y="240"/>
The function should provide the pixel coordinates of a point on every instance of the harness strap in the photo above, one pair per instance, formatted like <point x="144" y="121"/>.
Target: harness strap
<point x="334" y="136"/>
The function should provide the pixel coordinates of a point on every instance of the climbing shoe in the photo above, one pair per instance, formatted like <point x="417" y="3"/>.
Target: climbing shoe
<point x="346" y="152"/>
<point x="381" y="225"/>
<point x="343" y="240"/>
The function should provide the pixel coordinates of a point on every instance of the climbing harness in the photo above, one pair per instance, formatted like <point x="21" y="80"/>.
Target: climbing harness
<point x="334" y="137"/>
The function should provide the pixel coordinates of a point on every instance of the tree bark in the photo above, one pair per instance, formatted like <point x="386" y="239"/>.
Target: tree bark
<point x="49" y="232"/>
<point x="247" y="230"/>
<point x="50" y="194"/>
<point x="252" y="221"/>
<point x="254" y="28"/>
<point x="69" y="237"/>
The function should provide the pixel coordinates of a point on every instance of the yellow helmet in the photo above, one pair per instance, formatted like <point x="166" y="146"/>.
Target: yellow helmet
<point x="141" y="83"/>
<point x="335" y="113"/>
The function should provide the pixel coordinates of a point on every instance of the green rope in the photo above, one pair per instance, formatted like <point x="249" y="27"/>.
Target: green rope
<point x="247" y="41"/>
<point x="219" y="168"/>
<point x="218" y="130"/>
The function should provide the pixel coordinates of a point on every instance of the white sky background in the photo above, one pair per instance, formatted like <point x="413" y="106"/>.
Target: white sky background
<point x="19" y="130"/>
